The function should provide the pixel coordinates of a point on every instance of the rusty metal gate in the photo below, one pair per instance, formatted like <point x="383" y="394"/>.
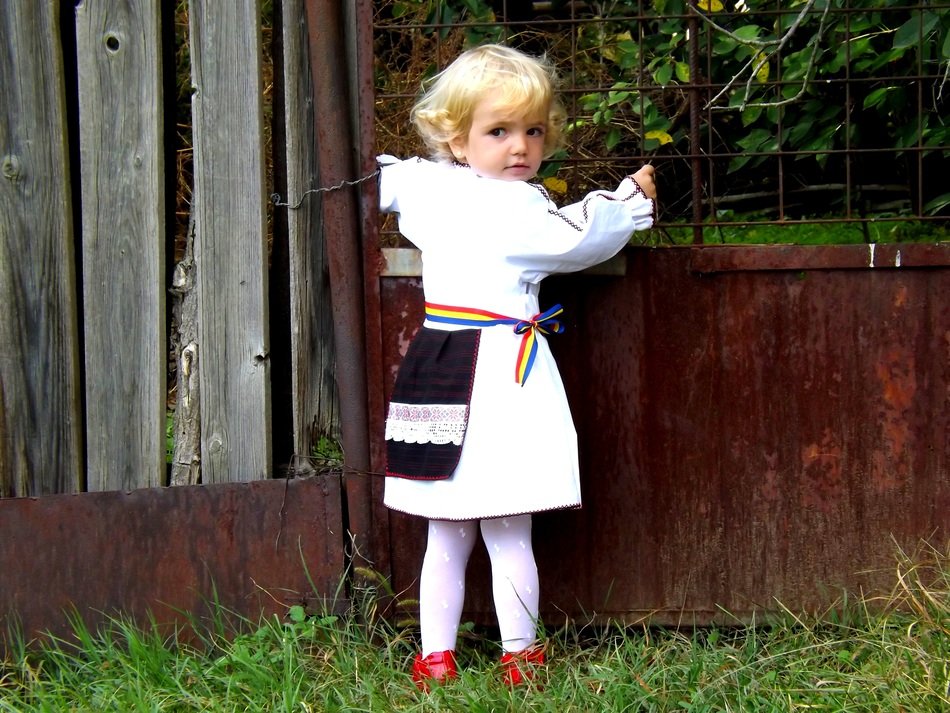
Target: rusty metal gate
<point x="756" y="425"/>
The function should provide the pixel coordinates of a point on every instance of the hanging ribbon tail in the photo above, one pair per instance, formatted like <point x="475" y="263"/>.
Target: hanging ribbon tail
<point x="526" y="355"/>
<point x="545" y="322"/>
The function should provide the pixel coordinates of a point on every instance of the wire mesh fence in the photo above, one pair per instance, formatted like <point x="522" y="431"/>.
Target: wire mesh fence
<point x="813" y="112"/>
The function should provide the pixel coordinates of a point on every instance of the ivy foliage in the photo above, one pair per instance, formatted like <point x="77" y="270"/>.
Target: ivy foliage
<point x="842" y="89"/>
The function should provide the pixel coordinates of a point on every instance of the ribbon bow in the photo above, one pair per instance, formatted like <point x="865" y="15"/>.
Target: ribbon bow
<point x="545" y="322"/>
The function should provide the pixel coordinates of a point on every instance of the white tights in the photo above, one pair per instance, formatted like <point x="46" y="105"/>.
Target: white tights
<point x="514" y="580"/>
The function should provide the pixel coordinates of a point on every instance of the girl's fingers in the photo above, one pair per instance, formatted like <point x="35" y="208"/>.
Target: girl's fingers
<point x="645" y="177"/>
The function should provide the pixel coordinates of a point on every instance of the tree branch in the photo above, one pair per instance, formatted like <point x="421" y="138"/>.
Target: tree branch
<point x="761" y="58"/>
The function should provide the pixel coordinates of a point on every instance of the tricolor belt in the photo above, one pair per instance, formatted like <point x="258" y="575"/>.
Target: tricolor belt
<point x="546" y="322"/>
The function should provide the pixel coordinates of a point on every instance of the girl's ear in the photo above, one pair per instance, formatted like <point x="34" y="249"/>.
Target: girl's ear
<point x="458" y="144"/>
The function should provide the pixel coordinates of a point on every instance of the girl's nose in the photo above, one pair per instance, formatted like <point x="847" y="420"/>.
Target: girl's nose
<point x="518" y="143"/>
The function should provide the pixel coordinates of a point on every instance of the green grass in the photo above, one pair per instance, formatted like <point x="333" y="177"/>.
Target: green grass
<point x="886" y="654"/>
<point x="801" y="233"/>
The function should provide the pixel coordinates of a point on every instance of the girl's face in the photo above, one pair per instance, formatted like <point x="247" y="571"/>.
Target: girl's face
<point x="502" y="143"/>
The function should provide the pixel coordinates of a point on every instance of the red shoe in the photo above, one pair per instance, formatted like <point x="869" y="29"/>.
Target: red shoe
<point x="437" y="666"/>
<point x="521" y="666"/>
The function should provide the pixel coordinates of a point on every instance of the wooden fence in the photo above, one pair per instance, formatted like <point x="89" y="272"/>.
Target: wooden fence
<point x="86" y="254"/>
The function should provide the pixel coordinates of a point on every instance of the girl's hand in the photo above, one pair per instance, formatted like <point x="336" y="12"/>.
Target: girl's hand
<point x="644" y="178"/>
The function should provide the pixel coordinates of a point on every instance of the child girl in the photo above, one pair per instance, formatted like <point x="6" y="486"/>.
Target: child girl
<point x="479" y="434"/>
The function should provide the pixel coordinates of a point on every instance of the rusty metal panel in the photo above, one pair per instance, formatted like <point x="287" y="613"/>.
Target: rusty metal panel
<point x="254" y="547"/>
<point x="728" y="258"/>
<point x="755" y="427"/>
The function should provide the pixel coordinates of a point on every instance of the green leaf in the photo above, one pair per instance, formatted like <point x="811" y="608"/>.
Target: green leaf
<point x="851" y="50"/>
<point x="873" y="62"/>
<point x="664" y="74"/>
<point x="613" y="138"/>
<point x="750" y="114"/>
<point x="628" y="60"/>
<point x="747" y="33"/>
<point x="682" y="72"/>
<point x="945" y="49"/>
<point x="738" y="162"/>
<point x="860" y="23"/>
<point x="937" y="204"/>
<point x="591" y="101"/>
<point x="877" y="97"/>
<point x="907" y="135"/>
<point x="755" y="139"/>
<point x="449" y="14"/>
<point x="795" y="65"/>
<point x="628" y="47"/>
<point x="614" y="98"/>
<point x="915" y="29"/>
<point x="798" y="133"/>
<point x="653" y="119"/>
<point x="723" y="45"/>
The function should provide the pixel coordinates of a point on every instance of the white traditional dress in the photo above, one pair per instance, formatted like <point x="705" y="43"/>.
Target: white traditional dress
<point x="486" y="245"/>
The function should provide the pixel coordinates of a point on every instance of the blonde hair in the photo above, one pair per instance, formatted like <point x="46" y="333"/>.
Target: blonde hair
<point x="444" y="111"/>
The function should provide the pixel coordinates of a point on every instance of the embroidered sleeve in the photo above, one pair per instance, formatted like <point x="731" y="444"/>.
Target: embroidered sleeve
<point x="629" y="195"/>
<point x="585" y="233"/>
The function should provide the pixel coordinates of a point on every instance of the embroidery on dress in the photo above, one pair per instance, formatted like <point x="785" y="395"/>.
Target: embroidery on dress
<point x="427" y="423"/>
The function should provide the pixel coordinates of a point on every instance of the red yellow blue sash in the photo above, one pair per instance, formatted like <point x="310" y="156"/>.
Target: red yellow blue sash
<point x="546" y="322"/>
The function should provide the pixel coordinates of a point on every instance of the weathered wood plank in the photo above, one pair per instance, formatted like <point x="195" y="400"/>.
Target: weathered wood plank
<point x="186" y="456"/>
<point x="123" y="230"/>
<point x="230" y="249"/>
<point x="315" y="399"/>
<point x="40" y="421"/>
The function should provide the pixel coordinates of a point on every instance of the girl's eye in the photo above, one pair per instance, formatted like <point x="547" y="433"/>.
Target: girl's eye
<point x="536" y="131"/>
<point x="497" y="132"/>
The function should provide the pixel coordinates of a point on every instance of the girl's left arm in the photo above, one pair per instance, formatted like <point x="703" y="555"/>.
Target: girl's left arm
<point x="632" y="206"/>
<point x="592" y="230"/>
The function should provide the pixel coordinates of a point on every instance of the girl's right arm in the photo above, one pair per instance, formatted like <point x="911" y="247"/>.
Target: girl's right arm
<point x="387" y="183"/>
